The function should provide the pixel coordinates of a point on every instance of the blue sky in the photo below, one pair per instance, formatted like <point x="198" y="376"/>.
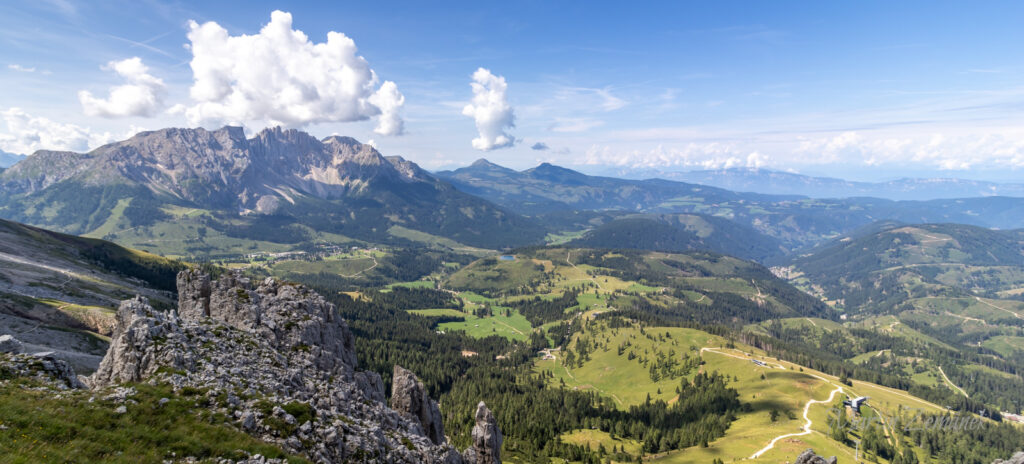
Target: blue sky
<point x="862" y="90"/>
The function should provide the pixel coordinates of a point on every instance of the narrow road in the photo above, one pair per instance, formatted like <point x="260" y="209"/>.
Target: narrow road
<point x="574" y="267"/>
<point x="807" y="425"/>
<point x="745" y="358"/>
<point x="961" y="390"/>
<point x="1018" y="316"/>
<point x="364" y="270"/>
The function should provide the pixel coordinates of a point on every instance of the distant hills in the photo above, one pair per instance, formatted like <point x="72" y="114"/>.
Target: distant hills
<point x="682" y="232"/>
<point x="553" y="192"/>
<point x="883" y="266"/>
<point x="9" y="159"/>
<point x="785" y="183"/>
<point x="547" y="188"/>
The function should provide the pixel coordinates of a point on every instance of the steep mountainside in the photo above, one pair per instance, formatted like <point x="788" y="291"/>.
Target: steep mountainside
<point x="278" y="184"/>
<point x="682" y="232"/>
<point x="58" y="292"/>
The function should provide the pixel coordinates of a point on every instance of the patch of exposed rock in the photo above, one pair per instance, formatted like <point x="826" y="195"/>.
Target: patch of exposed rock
<point x="1017" y="458"/>
<point x="40" y="366"/>
<point x="409" y="397"/>
<point x="9" y="344"/>
<point x="809" y="457"/>
<point x="486" y="447"/>
<point x="277" y="358"/>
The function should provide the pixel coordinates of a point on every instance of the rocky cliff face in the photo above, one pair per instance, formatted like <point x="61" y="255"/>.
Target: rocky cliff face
<point x="330" y="185"/>
<point x="486" y="448"/>
<point x="221" y="167"/>
<point x="409" y="397"/>
<point x="276" y="357"/>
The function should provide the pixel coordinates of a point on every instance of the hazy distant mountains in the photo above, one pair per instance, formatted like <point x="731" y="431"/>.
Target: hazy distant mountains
<point x="784" y="183"/>
<point x="8" y="159"/>
<point x="547" y="188"/>
<point x="555" y="193"/>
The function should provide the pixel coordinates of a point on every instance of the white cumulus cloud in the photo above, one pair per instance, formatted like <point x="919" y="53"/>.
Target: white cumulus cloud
<point x="390" y="101"/>
<point x="280" y="77"/>
<point x="141" y="95"/>
<point x="491" y="111"/>
<point x="26" y="133"/>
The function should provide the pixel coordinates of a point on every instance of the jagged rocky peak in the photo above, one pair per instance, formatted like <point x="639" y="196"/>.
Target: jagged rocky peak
<point x="409" y="397"/>
<point x="255" y="344"/>
<point x="289" y="316"/>
<point x="486" y="447"/>
<point x="809" y="457"/>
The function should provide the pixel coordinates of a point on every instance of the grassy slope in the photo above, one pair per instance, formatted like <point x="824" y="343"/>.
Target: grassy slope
<point x="787" y="389"/>
<point x="71" y="428"/>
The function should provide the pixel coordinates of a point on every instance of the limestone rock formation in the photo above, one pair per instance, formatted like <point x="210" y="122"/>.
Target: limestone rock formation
<point x="809" y="457"/>
<point x="1017" y="458"/>
<point x="9" y="344"/>
<point x="40" y="366"/>
<point x="486" y="447"/>
<point x="279" y="361"/>
<point x="409" y="397"/>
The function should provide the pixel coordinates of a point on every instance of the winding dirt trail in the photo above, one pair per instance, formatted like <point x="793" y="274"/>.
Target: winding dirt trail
<point x="950" y="382"/>
<point x="567" y="254"/>
<point x="807" y="425"/>
<point x="374" y="258"/>
<point x="1018" y="316"/>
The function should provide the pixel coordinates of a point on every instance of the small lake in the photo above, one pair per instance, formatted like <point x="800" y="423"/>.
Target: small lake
<point x="507" y="258"/>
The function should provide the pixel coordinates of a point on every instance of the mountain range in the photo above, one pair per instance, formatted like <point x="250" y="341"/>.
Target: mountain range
<point x="280" y="185"/>
<point x="786" y="183"/>
<point x="194" y="192"/>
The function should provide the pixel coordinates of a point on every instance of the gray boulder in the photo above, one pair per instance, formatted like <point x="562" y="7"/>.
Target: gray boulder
<point x="409" y="397"/>
<point x="9" y="344"/>
<point x="809" y="457"/>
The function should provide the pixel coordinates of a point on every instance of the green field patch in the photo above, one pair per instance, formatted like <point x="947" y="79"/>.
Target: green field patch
<point x="597" y="438"/>
<point x="414" y="284"/>
<point x="1005" y="345"/>
<point x="439" y="312"/>
<point x="343" y="267"/>
<point x="513" y="326"/>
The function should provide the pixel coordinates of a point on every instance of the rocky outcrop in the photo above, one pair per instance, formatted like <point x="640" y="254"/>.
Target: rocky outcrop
<point x="276" y="358"/>
<point x="409" y="397"/>
<point x="9" y="344"/>
<point x="486" y="447"/>
<point x="43" y="367"/>
<point x="809" y="457"/>
<point x="1017" y="458"/>
<point x="193" y="294"/>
